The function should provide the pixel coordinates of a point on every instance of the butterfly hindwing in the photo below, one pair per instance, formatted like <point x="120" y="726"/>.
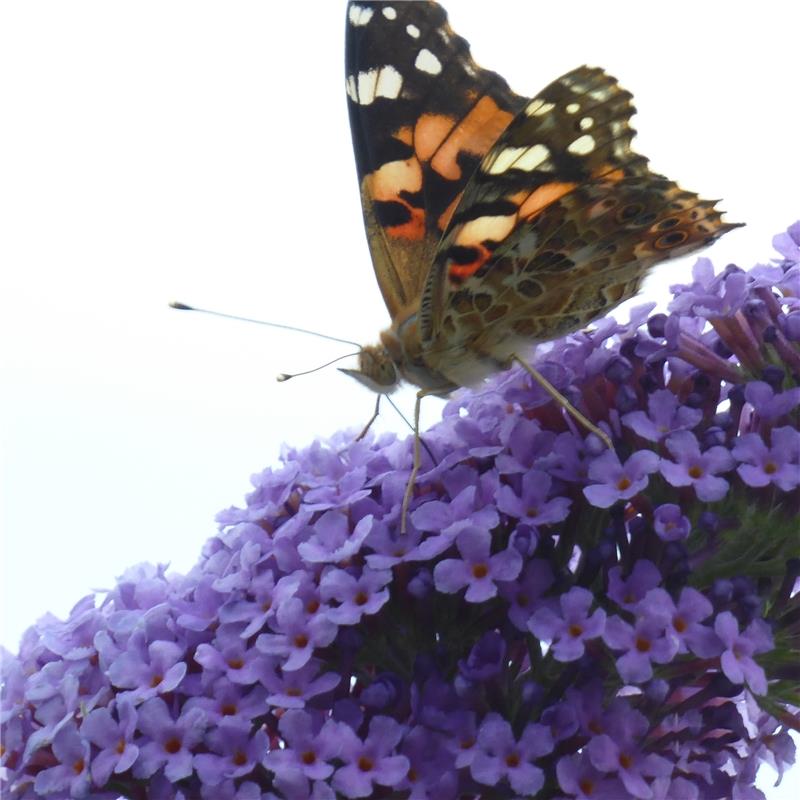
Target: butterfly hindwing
<point x="559" y="224"/>
<point x="422" y="115"/>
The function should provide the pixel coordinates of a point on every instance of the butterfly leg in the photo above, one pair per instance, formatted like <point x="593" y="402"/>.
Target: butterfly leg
<point x="562" y="401"/>
<point x="415" y="469"/>
<point x="371" y="419"/>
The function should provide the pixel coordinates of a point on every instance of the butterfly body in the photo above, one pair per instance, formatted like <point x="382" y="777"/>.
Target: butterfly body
<point x="495" y="221"/>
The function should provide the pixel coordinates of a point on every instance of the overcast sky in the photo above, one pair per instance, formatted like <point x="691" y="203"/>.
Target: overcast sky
<point x="200" y="151"/>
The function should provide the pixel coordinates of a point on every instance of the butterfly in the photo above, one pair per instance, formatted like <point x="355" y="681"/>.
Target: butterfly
<point x="494" y="221"/>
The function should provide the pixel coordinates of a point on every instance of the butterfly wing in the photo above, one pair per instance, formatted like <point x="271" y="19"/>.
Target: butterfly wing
<point x="422" y="115"/>
<point x="560" y="223"/>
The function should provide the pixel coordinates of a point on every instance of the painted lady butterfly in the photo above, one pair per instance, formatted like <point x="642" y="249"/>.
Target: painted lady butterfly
<point x="494" y="221"/>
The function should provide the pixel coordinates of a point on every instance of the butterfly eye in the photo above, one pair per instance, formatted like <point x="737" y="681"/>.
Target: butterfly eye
<point x="671" y="239"/>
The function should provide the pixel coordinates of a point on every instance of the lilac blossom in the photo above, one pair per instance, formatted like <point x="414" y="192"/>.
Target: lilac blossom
<point x="697" y="469"/>
<point x="664" y="416"/>
<point x="737" y="660"/>
<point x="572" y="627"/>
<point x="615" y="481"/>
<point x="555" y="617"/>
<point x="670" y="523"/>
<point x="761" y="465"/>
<point x="371" y="761"/>
<point x="502" y="757"/>
<point x="477" y="569"/>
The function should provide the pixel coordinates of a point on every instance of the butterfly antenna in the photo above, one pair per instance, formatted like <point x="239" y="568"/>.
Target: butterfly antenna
<point x="285" y="376"/>
<point x="184" y="307"/>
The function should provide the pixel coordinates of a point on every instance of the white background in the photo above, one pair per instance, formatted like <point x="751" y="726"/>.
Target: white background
<point x="200" y="151"/>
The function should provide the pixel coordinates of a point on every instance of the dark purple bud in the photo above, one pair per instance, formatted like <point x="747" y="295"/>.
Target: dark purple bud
<point x="708" y="521"/>
<point x="722" y="420"/>
<point x="649" y="383"/>
<point x="655" y="325"/>
<point x="755" y="308"/>
<point x="701" y="382"/>
<point x="625" y="399"/>
<point x="713" y="436"/>
<point x="721" y="591"/>
<point x="770" y="334"/>
<point x="722" y="349"/>
<point x="791" y="326"/>
<point x="383" y="692"/>
<point x="485" y="660"/>
<point x="694" y="400"/>
<point x="656" y="691"/>
<point x="628" y="348"/>
<point x="774" y="376"/>
<point x="638" y="526"/>
<point x="618" y="369"/>
<point x="736" y="395"/>
<point x="421" y="585"/>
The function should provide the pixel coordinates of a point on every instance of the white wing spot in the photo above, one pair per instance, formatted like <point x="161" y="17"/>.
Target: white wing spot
<point x="582" y="145"/>
<point x="573" y="108"/>
<point x="366" y="86"/>
<point x="524" y="158"/>
<point x="389" y="12"/>
<point x="538" y="108"/>
<point x="359" y="15"/>
<point x="533" y="157"/>
<point x="427" y="62"/>
<point x="586" y="123"/>
<point x="350" y="85"/>
<point x="389" y="83"/>
<point x="412" y="31"/>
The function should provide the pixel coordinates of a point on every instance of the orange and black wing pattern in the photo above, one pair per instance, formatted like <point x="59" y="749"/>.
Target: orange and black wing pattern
<point x="423" y="114"/>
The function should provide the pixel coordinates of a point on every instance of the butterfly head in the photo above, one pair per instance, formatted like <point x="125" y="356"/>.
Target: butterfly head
<point x="376" y="369"/>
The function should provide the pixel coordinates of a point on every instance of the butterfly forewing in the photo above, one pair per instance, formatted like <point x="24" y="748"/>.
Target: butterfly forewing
<point x="422" y="116"/>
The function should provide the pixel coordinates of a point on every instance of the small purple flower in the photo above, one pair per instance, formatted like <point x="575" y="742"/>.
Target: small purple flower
<point x="299" y="635"/>
<point x="670" y="524"/>
<point x="114" y="740"/>
<point x="235" y="751"/>
<point x="167" y="742"/>
<point x="629" y="591"/>
<point x="696" y="469"/>
<point x="311" y="744"/>
<point x="684" y="619"/>
<point x="769" y="404"/>
<point x="762" y="465"/>
<point x="293" y="688"/>
<point x="664" y="416"/>
<point x="788" y="243"/>
<point x="613" y="481"/>
<point x="477" y="569"/>
<point x="737" y="658"/>
<point x="71" y="775"/>
<point x="371" y="761"/>
<point x="580" y="780"/>
<point x="619" y="752"/>
<point x="357" y="596"/>
<point x="332" y="541"/>
<point x="148" y="669"/>
<point x="523" y="594"/>
<point x="500" y="756"/>
<point x="572" y="627"/>
<point x="531" y="506"/>
<point x="644" y="642"/>
<point x="233" y="659"/>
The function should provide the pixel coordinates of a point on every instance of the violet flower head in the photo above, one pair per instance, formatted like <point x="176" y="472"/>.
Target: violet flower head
<point x="557" y="619"/>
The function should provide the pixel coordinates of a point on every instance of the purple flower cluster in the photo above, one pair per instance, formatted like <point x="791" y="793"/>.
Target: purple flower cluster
<point x="558" y="620"/>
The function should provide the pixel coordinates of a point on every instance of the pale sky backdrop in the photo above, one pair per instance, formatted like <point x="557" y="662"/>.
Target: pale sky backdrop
<point x="158" y="150"/>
